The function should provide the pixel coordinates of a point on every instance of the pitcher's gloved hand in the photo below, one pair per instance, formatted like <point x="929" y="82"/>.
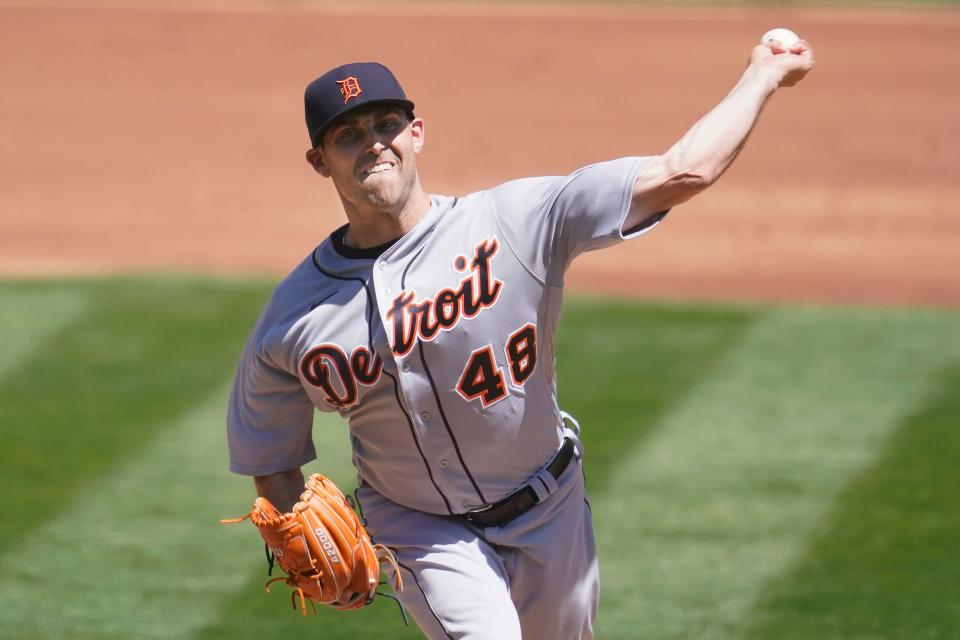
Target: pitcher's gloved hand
<point x="323" y="548"/>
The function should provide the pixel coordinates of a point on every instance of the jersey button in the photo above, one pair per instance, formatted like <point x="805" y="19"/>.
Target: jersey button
<point x="383" y="265"/>
<point x="466" y="503"/>
<point x="443" y="464"/>
<point x="405" y="367"/>
<point x="425" y="416"/>
<point x="387" y="291"/>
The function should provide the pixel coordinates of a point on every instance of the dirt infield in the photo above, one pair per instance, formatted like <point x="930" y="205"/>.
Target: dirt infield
<point x="147" y="139"/>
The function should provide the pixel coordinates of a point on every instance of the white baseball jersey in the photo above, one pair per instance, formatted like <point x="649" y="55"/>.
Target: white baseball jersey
<point x="438" y="348"/>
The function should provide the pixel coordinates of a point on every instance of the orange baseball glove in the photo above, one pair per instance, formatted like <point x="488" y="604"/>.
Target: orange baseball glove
<point x="323" y="548"/>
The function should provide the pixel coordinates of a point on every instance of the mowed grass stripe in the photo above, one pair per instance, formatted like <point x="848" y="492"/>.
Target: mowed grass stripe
<point x="621" y="365"/>
<point x="29" y="315"/>
<point x="716" y="498"/>
<point x="723" y="497"/>
<point x="100" y="389"/>
<point x="885" y="563"/>
<point x="140" y="552"/>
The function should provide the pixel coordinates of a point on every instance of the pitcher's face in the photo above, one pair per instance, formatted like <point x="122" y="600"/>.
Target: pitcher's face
<point x="370" y="154"/>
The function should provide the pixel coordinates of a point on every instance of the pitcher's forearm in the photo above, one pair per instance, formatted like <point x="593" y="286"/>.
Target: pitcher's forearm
<point x="708" y="148"/>
<point x="282" y="489"/>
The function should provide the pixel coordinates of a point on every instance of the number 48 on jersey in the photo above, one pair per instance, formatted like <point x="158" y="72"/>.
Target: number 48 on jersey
<point x="481" y="378"/>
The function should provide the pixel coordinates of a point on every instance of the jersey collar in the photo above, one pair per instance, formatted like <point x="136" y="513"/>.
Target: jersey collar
<point x="353" y="253"/>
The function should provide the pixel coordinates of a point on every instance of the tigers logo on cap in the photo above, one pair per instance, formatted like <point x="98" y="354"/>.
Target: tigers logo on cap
<point x="349" y="88"/>
<point x="338" y="91"/>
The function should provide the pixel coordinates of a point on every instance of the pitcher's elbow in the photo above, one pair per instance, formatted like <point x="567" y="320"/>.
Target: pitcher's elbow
<point x="690" y="183"/>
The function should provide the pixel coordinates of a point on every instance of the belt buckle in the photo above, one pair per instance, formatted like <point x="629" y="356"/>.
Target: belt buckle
<point x="482" y="508"/>
<point x="471" y="515"/>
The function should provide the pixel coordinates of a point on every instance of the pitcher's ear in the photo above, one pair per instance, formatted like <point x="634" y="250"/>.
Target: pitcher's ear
<point x="315" y="159"/>
<point x="418" y="132"/>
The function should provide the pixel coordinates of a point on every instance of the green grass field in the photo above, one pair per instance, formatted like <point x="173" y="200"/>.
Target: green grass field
<point x="755" y="472"/>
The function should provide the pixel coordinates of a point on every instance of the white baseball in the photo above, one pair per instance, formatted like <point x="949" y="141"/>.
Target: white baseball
<point x="785" y="37"/>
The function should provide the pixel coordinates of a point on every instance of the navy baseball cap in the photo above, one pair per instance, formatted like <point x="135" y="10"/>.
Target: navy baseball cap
<point x="345" y="88"/>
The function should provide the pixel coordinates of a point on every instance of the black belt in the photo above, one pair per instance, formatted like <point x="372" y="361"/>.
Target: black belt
<point x="521" y="500"/>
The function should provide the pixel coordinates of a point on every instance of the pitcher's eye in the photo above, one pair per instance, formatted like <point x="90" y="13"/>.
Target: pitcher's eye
<point x="348" y="134"/>
<point x="388" y="125"/>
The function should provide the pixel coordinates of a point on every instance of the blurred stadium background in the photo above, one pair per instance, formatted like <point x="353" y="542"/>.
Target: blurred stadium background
<point x="769" y="383"/>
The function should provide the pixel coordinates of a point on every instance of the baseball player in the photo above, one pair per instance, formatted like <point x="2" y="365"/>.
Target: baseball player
<point x="428" y="322"/>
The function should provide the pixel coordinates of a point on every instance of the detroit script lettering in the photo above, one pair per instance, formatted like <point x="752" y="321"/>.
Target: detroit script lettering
<point x="477" y="291"/>
<point x="409" y="320"/>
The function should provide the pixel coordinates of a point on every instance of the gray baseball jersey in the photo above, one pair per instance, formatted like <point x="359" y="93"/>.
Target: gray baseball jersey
<point x="438" y="348"/>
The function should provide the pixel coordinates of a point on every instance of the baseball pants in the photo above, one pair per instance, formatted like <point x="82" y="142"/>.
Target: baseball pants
<point x="535" y="578"/>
